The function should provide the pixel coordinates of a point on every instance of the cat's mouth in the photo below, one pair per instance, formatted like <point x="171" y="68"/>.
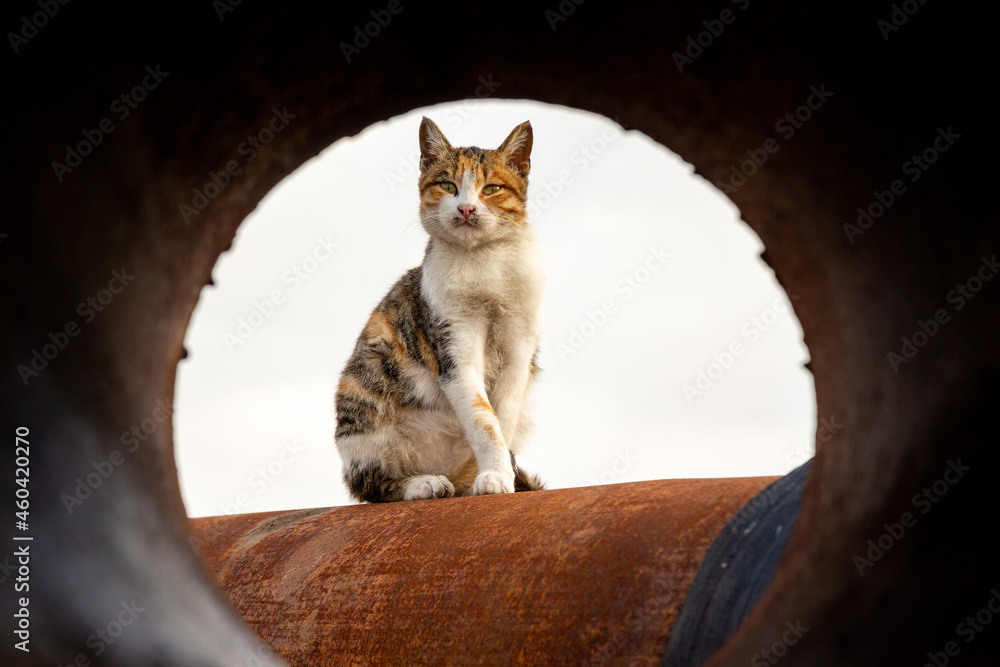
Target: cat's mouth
<point x="466" y="223"/>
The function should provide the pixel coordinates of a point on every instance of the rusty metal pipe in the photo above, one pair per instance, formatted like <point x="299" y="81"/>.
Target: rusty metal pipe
<point x="572" y="576"/>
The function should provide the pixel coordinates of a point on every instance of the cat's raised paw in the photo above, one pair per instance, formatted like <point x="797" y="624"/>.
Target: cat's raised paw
<point x="423" y="487"/>
<point x="493" y="482"/>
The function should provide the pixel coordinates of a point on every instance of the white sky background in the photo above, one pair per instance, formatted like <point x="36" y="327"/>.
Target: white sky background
<point x="254" y="424"/>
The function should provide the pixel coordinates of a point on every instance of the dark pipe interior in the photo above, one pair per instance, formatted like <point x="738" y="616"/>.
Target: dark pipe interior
<point x="893" y="93"/>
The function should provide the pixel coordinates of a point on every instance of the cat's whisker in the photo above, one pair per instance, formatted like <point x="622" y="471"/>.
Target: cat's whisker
<point x="413" y="226"/>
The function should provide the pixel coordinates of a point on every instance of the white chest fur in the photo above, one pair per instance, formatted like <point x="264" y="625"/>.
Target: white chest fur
<point x="503" y="281"/>
<point x="490" y="295"/>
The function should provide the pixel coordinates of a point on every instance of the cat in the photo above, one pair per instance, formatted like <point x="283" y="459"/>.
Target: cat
<point x="434" y="400"/>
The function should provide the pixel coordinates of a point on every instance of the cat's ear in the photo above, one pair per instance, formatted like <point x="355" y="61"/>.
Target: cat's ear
<point x="433" y="144"/>
<point x="516" y="148"/>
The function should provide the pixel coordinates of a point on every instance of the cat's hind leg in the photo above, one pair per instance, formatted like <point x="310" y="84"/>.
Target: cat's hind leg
<point x="370" y="482"/>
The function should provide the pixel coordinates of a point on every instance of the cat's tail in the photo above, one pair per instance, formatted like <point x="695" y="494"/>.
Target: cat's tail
<point x="525" y="481"/>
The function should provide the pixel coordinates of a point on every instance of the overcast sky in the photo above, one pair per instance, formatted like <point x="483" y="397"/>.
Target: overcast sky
<point x="669" y="349"/>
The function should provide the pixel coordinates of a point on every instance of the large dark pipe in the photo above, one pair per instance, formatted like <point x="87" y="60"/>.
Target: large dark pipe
<point x="843" y="132"/>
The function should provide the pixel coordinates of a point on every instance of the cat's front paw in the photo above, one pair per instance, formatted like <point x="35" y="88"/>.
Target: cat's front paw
<point x="493" y="482"/>
<point x="423" y="487"/>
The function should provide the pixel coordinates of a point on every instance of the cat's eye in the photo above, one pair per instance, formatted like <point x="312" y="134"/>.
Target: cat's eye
<point x="490" y="189"/>
<point x="448" y="187"/>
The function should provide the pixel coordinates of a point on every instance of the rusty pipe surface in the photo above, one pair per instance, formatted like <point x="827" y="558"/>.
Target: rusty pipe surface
<point x="592" y="575"/>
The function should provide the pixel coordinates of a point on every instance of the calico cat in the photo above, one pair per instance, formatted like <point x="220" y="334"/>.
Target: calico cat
<point x="434" y="400"/>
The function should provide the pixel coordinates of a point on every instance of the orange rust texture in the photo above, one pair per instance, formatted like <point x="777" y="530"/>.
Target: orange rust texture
<point x="549" y="577"/>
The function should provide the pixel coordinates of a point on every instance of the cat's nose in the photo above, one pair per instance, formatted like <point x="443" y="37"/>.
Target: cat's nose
<point x="466" y="209"/>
